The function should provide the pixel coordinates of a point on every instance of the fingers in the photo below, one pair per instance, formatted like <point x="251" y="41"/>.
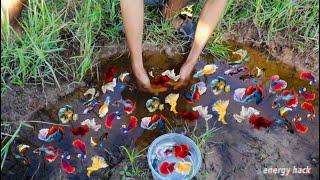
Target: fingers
<point x="180" y="84"/>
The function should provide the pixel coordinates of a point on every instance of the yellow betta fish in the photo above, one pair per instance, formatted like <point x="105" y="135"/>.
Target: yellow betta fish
<point x="105" y="107"/>
<point x="221" y="107"/>
<point x="98" y="162"/>
<point x="172" y="100"/>
<point x="207" y="69"/>
<point x="183" y="167"/>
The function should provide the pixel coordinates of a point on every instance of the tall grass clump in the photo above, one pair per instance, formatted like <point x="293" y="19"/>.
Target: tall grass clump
<point x="34" y="55"/>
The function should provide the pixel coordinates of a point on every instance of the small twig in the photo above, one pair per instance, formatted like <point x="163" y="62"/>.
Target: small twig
<point x="2" y="133"/>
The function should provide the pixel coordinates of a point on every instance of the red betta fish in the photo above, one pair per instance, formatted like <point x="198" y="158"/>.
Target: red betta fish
<point x="82" y="130"/>
<point x="82" y="147"/>
<point x="310" y="108"/>
<point x="308" y="96"/>
<point x="166" y="168"/>
<point x="65" y="165"/>
<point x="306" y="75"/>
<point x="132" y="125"/>
<point x="260" y="121"/>
<point x="109" y="74"/>
<point x="160" y="80"/>
<point x="51" y="153"/>
<point x="55" y="132"/>
<point x="110" y="117"/>
<point x="299" y="126"/>
<point x="190" y="115"/>
<point x="181" y="151"/>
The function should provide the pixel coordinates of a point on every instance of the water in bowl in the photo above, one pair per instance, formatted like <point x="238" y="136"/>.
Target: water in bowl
<point x="174" y="175"/>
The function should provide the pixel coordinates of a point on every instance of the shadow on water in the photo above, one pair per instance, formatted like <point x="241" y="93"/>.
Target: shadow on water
<point x="139" y="138"/>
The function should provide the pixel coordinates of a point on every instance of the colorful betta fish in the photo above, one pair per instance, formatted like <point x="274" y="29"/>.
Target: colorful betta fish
<point x="91" y="95"/>
<point x="183" y="168"/>
<point x="98" y="162"/>
<point x="218" y="85"/>
<point x="124" y="77"/>
<point x="299" y="126"/>
<point x="289" y="96"/>
<point x="235" y="70"/>
<point x="48" y="135"/>
<point x="238" y="58"/>
<point x="109" y="74"/>
<point x="103" y="110"/>
<point x="65" y="165"/>
<point x="307" y="95"/>
<point x="310" y="108"/>
<point x="203" y="112"/>
<point x="221" y="108"/>
<point x="257" y="74"/>
<point x="91" y="123"/>
<point x="196" y="91"/>
<point x="171" y="74"/>
<point x="91" y="107"/>
<point x="260" y="121"/>
<point x="171" y="99"/>
<point x="276" y="84"/>
<point x="132" y="125"/>
<point x="82" y="130"/>
<point x="66" y="113"/>
<point x="82" y="147"/>
<point x="154" y="104"/>
<point x="110" y="117"/>
<point x="128" y="105"/>
<point x="245" y="114"/>
<point x="109" y="86"/>
<point x="166" y="168"/>
<point x="49" y="152"/>
<point x="190" y="115"/>
<point x="206" y="70"/>
<point x="306" y="75"/>
<point x="282" y="112"/>
<point x="150" y="123"/>
<point x="246" y="95"/>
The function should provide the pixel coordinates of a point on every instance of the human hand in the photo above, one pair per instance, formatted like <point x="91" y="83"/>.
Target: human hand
<point x="185" y="74"/>
<point x="143" y="81"/>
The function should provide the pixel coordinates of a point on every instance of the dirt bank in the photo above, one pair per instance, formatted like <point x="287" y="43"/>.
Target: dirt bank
<point x="279" y="47"/>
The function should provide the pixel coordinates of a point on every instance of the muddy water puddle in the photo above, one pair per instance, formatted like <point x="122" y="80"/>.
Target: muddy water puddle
<point x="110" y="147"/>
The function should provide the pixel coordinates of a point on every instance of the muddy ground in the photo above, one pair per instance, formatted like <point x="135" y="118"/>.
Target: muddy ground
<point x="244" y="151"/>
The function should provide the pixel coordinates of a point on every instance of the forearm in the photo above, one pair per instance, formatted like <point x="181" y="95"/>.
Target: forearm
<point x="209" y="18"/>
<point x="132" y="15"/>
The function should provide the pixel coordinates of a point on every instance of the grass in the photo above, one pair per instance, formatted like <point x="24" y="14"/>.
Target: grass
<point x="5" y="142"/>
<point x="133" y="170"/>
<point x="39" y="55"/>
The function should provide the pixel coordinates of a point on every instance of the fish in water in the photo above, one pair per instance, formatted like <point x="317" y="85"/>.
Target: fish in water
<point x="308" y="96"/>
<point x="260" y="121"/>
<point x="190" y="115"/>
<point x="132" y="125"/>
<point x="235" y="70"/>
<point x="310" y="108"/>
<point x="299" y="126"/>
<point x="276" y="84"/>
<point x="257" y="74"/>
<point x="221" y="108"/>
<point x="206" y="70"/>
<point x="306" y="75"/>
<point x="289" y="96"/>
<point x="219" y="85"/>
<point x="238" y="58"/>
<point x="80" y="145"/>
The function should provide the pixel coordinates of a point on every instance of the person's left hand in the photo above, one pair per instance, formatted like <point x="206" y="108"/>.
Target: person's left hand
<point x="185" y="74"/>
